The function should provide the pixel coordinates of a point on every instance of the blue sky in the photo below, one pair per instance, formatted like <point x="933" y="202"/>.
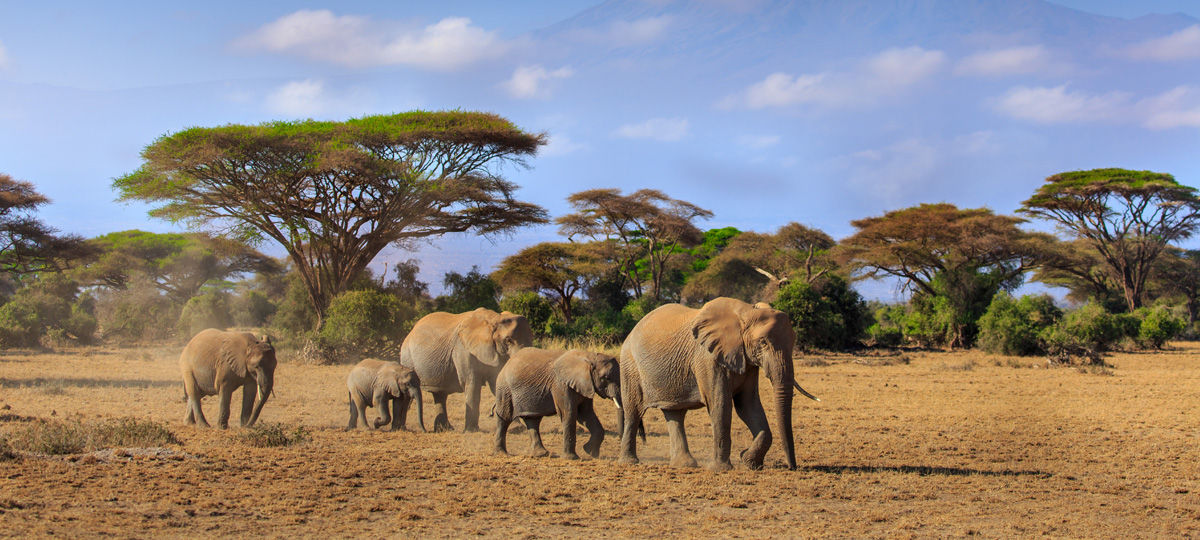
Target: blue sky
<point x="820" y="132"/>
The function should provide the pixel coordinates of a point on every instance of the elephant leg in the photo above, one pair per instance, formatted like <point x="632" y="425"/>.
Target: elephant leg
<point x="195" y="415"/>
<point x="749" y="409"/>
<point x="353" y="413"/>
<point x="681" y="456"/>
<point x="249" y="392"/>
<point x="385" y="415"/>
<point x="721" y="417"/>
<point x="226" y="394"/>
<point x="595" y="429"/>
<point x="633" y="421"/>
<point x="500" y="442"/>
<point x="471" y="416"/>
<point x="533" y="424"/>
<point x="400" y="413"/>
<point x="441" y="422"/>
<point x="569" y="417"/>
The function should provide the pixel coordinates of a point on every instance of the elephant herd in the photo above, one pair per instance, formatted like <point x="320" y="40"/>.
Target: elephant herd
<point x="676" y="359"/>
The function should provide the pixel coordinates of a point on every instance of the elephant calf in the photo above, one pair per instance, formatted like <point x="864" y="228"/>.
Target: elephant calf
<point x="536" y="383"/>
<point x="216" y="362"/>
<point x="375" y="382"/>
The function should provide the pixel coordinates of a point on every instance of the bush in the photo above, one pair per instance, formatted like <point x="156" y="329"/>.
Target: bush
<point x="533" y="306"/>
<point x="75" y="436"/>
<point x="252" y="309"/>
<point x="1011" y="326"/>
<point x="1084" y="334"/>
<point x="272" y="436"/>
<point x="1157" y="326"/>
<point x="366" y="323"/>
<point x="827" y="314"/>
<point x="50" y="309"/>
<point x="209" y="310"/>
<point x="295" y="316"/>
<point x="881" y="335"/>
<point x="139" y="314"/>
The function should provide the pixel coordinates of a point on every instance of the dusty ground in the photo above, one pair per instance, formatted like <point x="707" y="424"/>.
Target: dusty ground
<point x="948" y="445"/>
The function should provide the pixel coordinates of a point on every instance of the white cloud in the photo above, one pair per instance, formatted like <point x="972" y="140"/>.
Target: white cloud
<point x="4" y="61"/>
<point x="893" y="175"/>
<point x="1178" y="107"/>
<point x="560" y="145"/>
<point x="356" y="41"/>
<point x="1058" y="105"/>
<point x="531" y="81"/>
<point x="758" y="141"/>
<point x="313" y="98"/>
<point x="659" y="129"/>
<point x="888" y="73"/>
<point x="1182" y="45"/>
<point x="1010" y="61"/>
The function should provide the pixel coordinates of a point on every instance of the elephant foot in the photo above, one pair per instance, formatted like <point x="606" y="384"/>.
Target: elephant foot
<point x="720" y="466"/>
<point x="443" y="427"/>
<point x="540" y="452"/>
<point x="628" y="459"/>
<point x="498" y="451"/>
<point x="686" y="461"/>
<point x="571" y="456"/>
<point x="752" y="460"/>
<point x="471" y="429"/>
<point x="593" y="451"/>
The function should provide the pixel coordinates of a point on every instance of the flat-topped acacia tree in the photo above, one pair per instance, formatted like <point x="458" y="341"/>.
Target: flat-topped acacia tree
<point x="334" y="194"/>
<point x="1128" y="216"/>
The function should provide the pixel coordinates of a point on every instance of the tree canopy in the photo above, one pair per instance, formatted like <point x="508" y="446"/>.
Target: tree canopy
<point x="644" y="223"/>
<point x="560" y="270"/>
<point x="27" y="245"/>
<point x="1128" y="216"/>
<point x="334" y="194"/>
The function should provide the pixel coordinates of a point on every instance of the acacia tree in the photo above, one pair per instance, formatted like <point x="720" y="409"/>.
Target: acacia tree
<point x="26" y="244"/>
<point x="334" y="194"/>
<point x="961" y="255"/>
<point x="1128" y="217"/>
<point x="754" y="266"/>
<point x="1177" y="272"/>
<point x="559" y="270"/>
<point x="1076" y="266"/>
<point x="645" y="223"/>
<point x="177" y="264"/>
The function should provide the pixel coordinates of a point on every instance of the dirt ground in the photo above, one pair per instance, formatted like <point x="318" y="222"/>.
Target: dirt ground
<point x="947" y="445"/>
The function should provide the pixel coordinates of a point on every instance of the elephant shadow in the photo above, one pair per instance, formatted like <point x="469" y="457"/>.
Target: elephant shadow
<point x="919" y="470"/>
<point x="41" y="382"/>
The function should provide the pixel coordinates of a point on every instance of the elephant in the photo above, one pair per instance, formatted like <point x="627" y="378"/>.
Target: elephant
<point x="459" y="353"/>
<point x="536" y="383"/>
<point x="216" y="362"/>
<point x="375" y="382"/>
<point x="678" y="358"/>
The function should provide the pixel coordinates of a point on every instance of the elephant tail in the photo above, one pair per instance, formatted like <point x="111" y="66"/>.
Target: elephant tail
<point x="642" y="431"/>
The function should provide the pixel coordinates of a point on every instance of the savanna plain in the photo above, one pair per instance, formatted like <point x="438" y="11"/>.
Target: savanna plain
<point x="902" y="445"/>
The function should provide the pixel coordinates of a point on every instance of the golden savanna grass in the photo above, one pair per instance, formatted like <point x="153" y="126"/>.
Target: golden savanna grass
<point x="924" y="445"/>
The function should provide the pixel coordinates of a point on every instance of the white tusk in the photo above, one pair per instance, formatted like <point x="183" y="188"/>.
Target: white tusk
<point x="805" y="392"/>
<point x="618" y="403"/>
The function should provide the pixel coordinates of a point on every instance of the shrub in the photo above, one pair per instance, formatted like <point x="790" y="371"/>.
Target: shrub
<point x="827" y="314"/>
<point x="533" y="306"/>
<point x="1157" y="326"/>
<point x="272" y="436"/>
<point x="295" y="316"/>
<point x="1085" y="334"/>
<point x="881" y="335"/>
<point x="75" y="436"/>
<point x="49" y="308"/>
<point x="139" y="314"/>
<point x="1011" y="326"/>
<point x="209" y="310"/>
<point x="252" y="309"/>
<point x="366" y="323"/>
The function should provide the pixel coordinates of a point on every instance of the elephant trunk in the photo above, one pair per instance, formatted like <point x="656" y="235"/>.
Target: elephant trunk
<point x="266" y="384"/>
<point x="783" y="381"/>
<point x="416" y="395"/>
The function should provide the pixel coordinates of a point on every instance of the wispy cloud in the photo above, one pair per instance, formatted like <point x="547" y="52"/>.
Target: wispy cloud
<point x="1177" y="107"/>
<point x="534" y="81"/>
<point x="1011" y="61"/>
<point x="312" y="98"/>
<point x="1181" y="45"/>
<point x="658" y="129"/>
<point x="626" y="33"/>
<point x="349" y="40"/>
<point x="561" y="145"/>
<point x="888" y="73"/>
<point x="758" y="141"/>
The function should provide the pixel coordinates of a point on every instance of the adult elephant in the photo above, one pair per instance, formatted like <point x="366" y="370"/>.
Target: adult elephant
<point x="678" y="358"/>
<point x="216" y="362"/>
<point x="459" y="353"/>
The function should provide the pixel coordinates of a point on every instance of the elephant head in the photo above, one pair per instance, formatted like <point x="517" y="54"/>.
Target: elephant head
<point x="493" y="337"/>
<point x="404" y="386"/>
<point x="260" y="360"/>
<point x="736" y="333"/>
<point x="590" y="374"/>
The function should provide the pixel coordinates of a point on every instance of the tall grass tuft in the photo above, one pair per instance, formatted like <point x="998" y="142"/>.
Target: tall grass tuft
<point x="76" y="436"/>
<point x="272" y="435"/>
<point x="586" y="344"/>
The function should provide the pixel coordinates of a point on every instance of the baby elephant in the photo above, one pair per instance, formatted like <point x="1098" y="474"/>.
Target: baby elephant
<point x="373" y="383"/>
<point x="536" y="383"/>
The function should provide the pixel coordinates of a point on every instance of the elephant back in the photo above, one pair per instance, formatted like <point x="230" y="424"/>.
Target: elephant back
<point x="529" y="379"/>
<point x="428" y="350"/>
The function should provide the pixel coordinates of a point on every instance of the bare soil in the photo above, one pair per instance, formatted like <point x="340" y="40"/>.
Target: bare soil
<point x="947" y="445"/>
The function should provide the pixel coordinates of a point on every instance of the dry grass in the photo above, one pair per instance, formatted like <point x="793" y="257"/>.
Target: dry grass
<point x="1004" y="449"/>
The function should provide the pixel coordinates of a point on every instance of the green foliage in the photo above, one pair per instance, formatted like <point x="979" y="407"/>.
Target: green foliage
<point x="76" y="436"/>
<point x="714" y="241"/>
<point x="366" y="323"/>
<point x="928" y="321"/>
<point x="210" y="310"/>
<point x="1011" y="326"/>
<point x="467" y="292"/>
<point x="295" y="315"/>
<point x="885" y="336"/>
<point x="272" y="436"/>
<point x="1158" y="325"/>
<point x="1083" y="334"/>
<point x="536" y="309"/>
<point x="827" y="314"/>
<point x="48" y="308"/>
<point x="252" y="309"/>
<point x="604" y="327"/>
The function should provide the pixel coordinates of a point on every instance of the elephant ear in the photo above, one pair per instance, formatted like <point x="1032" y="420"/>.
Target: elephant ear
<point x="718" y="329"/>
<point x="574" y="371"/>
<point x="393" y="384"/>
<point x="475" y="337"/>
